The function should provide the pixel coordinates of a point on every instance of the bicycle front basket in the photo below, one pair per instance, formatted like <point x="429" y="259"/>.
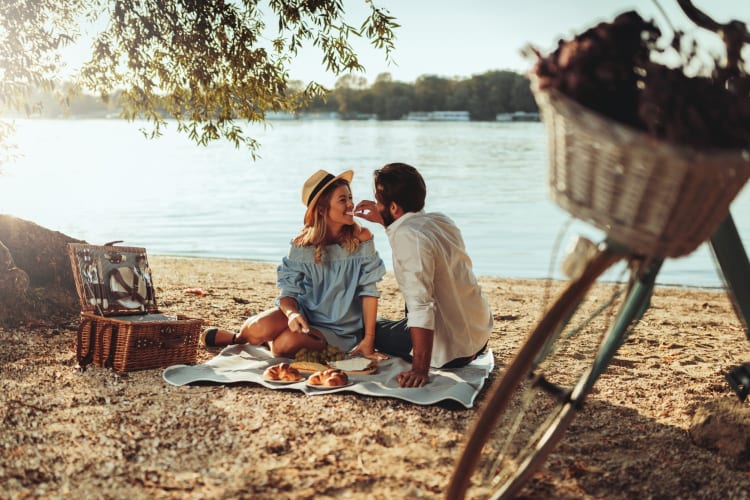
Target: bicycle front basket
<point x="653" y="197"/>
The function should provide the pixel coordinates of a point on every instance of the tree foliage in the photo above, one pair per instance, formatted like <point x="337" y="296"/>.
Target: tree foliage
<point x="483" y="95"/>
<point x="206" y="63"/>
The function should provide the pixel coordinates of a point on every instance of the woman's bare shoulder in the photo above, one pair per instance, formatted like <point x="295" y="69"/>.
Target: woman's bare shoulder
<point x="362" y="233"/>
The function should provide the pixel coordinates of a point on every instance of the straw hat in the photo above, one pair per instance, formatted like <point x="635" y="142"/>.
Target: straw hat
<point x="316" y="184"/>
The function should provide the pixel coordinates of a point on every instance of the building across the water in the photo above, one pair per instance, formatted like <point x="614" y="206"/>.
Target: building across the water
<point x="438" y="116"/>
<point x="518" y="116"/>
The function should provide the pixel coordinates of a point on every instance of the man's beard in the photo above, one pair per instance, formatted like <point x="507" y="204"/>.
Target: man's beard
<point x="388" y="219"/>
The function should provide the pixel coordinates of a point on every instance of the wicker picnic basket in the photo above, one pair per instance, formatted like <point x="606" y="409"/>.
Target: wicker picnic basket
<point x="652" y="197"/>
<point x="121" y="326"/>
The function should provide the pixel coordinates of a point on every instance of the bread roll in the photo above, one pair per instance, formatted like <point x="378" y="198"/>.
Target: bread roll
<point x="282" y="372"/>
<point x="331" y="377"/>
<point x="336" y="379"/>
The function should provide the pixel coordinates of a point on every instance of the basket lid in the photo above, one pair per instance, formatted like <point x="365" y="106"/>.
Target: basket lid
<point x="112" y="280"/>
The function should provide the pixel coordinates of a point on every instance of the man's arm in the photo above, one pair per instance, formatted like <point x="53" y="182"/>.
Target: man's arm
<point x="418" y="376"/>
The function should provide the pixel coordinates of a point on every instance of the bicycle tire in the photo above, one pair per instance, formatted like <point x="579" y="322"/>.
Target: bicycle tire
<point x="509" y="385"/>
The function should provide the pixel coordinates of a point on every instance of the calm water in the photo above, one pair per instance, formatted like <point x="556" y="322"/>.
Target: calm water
<point x="101" y="180"/>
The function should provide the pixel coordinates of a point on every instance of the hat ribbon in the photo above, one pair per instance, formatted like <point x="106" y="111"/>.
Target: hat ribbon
<point x="320" y="185"/>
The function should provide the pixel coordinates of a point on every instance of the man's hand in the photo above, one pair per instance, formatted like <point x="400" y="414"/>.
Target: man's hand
<point x="412" y="379"/>
<point x="368" y="210"/>
<point x="421" y="340"/>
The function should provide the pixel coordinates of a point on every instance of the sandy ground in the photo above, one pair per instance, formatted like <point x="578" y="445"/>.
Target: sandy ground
<point x="65" y="434"/>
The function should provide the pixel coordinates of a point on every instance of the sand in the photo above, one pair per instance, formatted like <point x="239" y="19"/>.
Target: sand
<point x="96" y="434"/>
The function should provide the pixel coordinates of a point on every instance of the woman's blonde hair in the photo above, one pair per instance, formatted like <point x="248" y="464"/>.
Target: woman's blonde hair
<point x="315" y="234"/>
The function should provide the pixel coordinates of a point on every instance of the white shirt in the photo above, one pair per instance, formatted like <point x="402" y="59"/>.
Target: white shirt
<point x="436" y="279"/>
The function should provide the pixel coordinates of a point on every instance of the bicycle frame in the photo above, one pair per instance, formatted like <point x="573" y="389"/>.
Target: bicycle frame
<point x="734" y="265"/>
<point x="635" y="305"/>
<point x="731" y="257"/>
<point x="560" y="403"/>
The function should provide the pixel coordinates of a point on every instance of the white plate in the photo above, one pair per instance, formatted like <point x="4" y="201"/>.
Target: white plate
<point x="282" y="382"/>
<point x="327" y="387"/>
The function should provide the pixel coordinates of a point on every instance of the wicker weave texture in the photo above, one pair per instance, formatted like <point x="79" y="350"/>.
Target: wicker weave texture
<point x="652" y="197"/>
<point x="123" y="329"/>
<point x="126" y="345"/>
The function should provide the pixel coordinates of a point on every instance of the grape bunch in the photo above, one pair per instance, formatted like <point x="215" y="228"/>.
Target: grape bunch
<point x="323" y="356"/>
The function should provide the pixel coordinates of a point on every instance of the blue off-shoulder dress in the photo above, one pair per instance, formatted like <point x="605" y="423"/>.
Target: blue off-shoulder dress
<point x="329" y="294"/>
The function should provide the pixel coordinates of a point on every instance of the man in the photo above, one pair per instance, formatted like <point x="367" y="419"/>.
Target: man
<point x="448" y="320"/>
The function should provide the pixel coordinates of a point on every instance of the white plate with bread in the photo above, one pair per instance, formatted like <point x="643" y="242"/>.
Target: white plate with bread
<point x="330" y="378"/>
<point x="282" y="373"/>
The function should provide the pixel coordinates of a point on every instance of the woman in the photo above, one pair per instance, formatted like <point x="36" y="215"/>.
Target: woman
<point x="328" y="281"/>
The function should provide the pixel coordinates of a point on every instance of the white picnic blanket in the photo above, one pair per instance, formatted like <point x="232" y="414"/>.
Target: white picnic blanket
<point x="246" y="363"/>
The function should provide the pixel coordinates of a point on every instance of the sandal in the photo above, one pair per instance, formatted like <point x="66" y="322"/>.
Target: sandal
<point x="739" y="380"/>
<point x="208" y="338"/>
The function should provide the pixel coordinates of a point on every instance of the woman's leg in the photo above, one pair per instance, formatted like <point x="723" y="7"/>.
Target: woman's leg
<point x="259" y="329"/>
<point x="263" y="328"/>
<point x="287" y="343"/>
<point x="272" y="327"/>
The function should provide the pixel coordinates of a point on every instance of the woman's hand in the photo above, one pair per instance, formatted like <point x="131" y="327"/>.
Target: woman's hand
<point x="367" y="349"/>
<point x="412" y="379"/>
<point x="298" y="324"/>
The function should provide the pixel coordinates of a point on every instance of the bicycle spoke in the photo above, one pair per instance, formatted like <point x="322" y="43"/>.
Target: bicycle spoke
<point x="517" y="443"/>
<point x="538" y="405"/>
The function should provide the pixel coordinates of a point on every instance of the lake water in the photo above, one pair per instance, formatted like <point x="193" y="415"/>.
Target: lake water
<point x="101" y="180"/>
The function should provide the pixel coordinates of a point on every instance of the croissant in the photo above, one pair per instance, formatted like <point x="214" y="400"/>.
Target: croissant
<point x="283" y="372"/>
<point x="330" y="378"/>
<point x="336" y="379"/>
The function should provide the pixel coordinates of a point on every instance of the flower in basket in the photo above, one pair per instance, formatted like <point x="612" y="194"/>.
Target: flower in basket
<point x="649" y="153"/>
<point x="612" y="68"/>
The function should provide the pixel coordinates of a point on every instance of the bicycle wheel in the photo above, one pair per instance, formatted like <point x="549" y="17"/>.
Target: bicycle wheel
<point x="529" y="407"/>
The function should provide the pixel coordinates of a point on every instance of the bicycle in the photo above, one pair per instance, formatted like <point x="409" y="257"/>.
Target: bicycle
<point x="531" y="405"/>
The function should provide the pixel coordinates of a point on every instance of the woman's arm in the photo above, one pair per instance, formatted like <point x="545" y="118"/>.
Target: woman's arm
<point x="369" y="317"/>
<point x="296" y="321"/>
<point x="363" y="234"/>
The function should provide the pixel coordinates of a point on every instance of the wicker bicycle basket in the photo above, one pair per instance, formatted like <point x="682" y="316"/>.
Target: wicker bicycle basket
<point x="652" y="197"/>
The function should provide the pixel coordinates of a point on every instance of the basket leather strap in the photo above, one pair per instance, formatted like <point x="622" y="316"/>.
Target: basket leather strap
<point x="131" y="290"/>
<point x="150" y="296"/>
<point x="85" y="359"/>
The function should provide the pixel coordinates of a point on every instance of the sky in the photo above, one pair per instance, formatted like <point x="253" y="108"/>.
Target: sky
<point x="460" y="38"/>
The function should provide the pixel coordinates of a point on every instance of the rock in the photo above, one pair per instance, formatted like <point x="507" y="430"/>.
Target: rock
<point x="13" y="281"/>
<point x="723" y="426"/>
<point x="36" y="278"/>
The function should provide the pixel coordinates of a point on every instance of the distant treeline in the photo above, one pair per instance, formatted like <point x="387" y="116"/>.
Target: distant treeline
<point x="483" y="96"/>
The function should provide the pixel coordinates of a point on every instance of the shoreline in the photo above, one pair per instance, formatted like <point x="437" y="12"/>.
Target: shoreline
<point x="717" y="288"/>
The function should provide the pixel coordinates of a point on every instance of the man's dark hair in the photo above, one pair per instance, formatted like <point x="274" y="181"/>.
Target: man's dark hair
<point x="402" y="184"/>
